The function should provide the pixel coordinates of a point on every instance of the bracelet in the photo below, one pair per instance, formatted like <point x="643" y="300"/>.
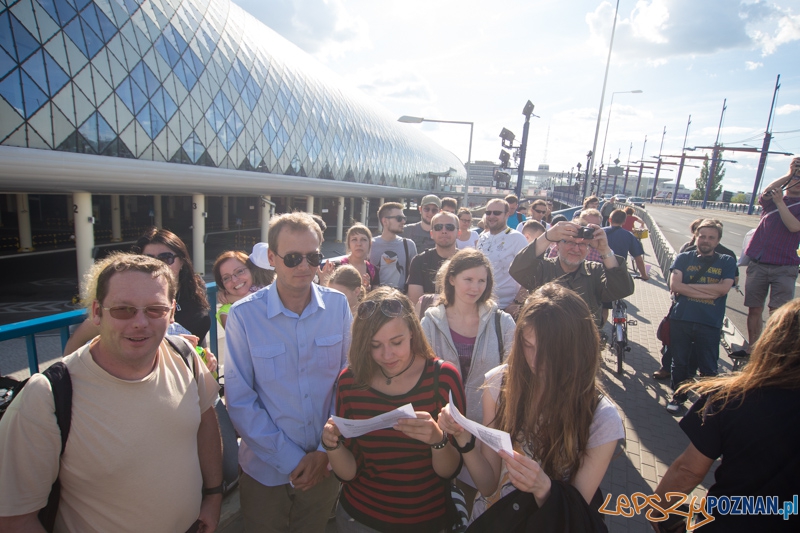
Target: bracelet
<point x="331" y="448"/>
<point x="440" y="445"/>
<point x="609" y="255"/>
<point x="468" y="447"/>
<point x="546" y="237"/>
<point x="213" y="490"/>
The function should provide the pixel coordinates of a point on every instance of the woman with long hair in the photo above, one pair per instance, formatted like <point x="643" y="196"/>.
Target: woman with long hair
<point x="347" y="280"/>
<point x="467" y="328"/>
<point x="548" y="398"/>
<point x="393" y="479"/>
<point x="752" y="420"/>
<point x="192" y="306"/>
<point x="467" y="237"/>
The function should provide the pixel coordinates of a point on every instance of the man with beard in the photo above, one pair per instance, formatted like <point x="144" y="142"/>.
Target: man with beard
<point x="391" y="253"/>
<point x="500" y="244"/>
<point x="423" y="269"/>
<point x="700" y="279"/>
<point x="420" y="232"/>
<point x="594" y="282"/>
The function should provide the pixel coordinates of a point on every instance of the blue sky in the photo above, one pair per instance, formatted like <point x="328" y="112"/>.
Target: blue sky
<point x="481" y="61"/>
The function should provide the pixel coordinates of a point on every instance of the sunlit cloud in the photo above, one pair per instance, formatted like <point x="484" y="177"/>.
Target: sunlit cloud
<point x="787" y="108"/>
<point x="753" y="65"/>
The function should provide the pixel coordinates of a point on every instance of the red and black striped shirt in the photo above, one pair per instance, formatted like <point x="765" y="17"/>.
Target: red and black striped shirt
<point x="396" y="489"/>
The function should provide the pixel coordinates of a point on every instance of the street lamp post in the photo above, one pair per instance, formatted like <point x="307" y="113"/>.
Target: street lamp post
<point x="608" y="120"/>
<point x="417" y="120"/>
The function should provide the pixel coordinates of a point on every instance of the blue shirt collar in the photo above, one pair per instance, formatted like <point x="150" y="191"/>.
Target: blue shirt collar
<point x="275" y="305"/>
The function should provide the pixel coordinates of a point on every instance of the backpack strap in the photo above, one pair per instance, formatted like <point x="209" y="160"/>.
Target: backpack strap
<point x="180" y="345"/>
<point x="408" y="260"/>
<point x="61" y="384"/>
<point x="498" y="331"/>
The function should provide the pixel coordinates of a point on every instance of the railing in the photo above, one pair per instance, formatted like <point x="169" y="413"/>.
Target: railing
<point x="720" y="206"/>
<point x="665" y="254"/>
<point x="62" y="322"/>
<point x="569" y="198"/>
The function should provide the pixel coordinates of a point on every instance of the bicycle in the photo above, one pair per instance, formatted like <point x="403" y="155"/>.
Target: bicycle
<point x="619" y="332"/>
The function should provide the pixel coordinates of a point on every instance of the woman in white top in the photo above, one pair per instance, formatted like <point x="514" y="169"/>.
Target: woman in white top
<point x="548" y="398"/>
<point x="467" y="237"/>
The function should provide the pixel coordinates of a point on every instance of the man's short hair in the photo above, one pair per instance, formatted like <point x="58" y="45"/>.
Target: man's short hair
<point x="440" y="214"/>
<point x="533" y="226"/>
<point x="588" y="213"/>
<point x="709" y="223"/>
<point x="511" y="199"/>
<point x="590" y="199"/>
<point x="450" y="202"/>
<point x="505" y="204"/>
<point x="618" y="216"/>
<point x="388" y="206"/>
<point x="101" y="272"/>
<point x="297" y="221"/>
<point x="539" y="202"/>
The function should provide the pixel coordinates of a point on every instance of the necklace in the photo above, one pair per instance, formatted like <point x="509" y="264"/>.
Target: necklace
<point x="390" y="378"/>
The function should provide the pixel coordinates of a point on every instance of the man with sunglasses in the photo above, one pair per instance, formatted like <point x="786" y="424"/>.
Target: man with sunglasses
<point x="594" y="282"/>
<point x="772" y="250"/>
<point x="143" y="439"/>
<point x="537" y="212"/>
<point x="420" y="232"/>
<point x="391" y="253"/>
<point x="287" y="344"/>
<point x="422" y="273"/>
<point x="500" y="244"/>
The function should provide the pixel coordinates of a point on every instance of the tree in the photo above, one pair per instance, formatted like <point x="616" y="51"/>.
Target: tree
<point x="740" y="198"/>
<point x="716" y="182"/>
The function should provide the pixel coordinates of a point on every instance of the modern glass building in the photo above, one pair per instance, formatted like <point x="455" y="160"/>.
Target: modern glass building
<point x="198" y="83"/>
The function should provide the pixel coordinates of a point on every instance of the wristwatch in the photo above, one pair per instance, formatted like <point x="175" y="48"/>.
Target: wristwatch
<point x="609" y="255"/>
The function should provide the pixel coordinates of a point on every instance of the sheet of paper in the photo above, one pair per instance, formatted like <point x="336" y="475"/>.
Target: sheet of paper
<point x="356" y="428"/>
<point x="493" y="438"/>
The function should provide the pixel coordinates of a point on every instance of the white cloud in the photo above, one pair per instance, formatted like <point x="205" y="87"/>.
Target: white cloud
<point x="656" y="30"/>
<point x="787" y="108"/>
<point x="753" y="65"/>
<point x="394" y="82"/>
<point x="319" y="27"/>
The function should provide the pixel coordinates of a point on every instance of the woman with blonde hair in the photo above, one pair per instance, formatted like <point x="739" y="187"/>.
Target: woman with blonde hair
<point x="393" y="479"/>
<point x="563" y="428"/>
<point x="752" y="420"/>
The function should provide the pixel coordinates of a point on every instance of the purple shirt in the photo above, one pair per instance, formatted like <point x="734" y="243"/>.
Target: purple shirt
<point x="773" y="243"/>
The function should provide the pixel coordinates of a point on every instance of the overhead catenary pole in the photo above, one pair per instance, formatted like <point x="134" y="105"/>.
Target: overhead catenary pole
<point x="641" y="167"/>
<point x="714" y="155"/>
<point x="683" y="159"/>
<point x="762" y="162"/>
<point x="658" y="167"/>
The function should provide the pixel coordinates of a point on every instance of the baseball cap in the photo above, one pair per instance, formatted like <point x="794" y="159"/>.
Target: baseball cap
<point x="259" y="256"/>
<point x="431" y="199"/>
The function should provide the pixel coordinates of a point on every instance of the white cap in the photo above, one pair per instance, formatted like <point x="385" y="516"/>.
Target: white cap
<point x="259" y="256"/>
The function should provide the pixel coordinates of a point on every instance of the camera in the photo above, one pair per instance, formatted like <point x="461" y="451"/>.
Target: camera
<point x="585" y="233"/>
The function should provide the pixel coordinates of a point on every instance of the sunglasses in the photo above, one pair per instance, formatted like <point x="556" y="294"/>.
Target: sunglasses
<point x="541" y="212"/>
<point x="238" y="273"/>
<point x="399" y="218"/>
<point x="429" y="209"/>
<point x="126" y="312"/>
<point x="166" y="257"/>
<point x="293" y="259"/>
<point x="440" y="227"/>
<point x="390" y="308"/>
<point x="496" y="213"/>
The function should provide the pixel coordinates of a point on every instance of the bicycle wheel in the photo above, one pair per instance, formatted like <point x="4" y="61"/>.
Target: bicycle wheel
<point x="619" y="347"/>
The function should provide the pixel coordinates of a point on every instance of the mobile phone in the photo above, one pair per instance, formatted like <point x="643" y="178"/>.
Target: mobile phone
<point x="585" y="233"/>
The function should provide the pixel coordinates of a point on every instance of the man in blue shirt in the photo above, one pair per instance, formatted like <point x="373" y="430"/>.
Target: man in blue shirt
<point x="623" y="242"/>
<point x="287" y="344"/>
<point x="696" y="318"/>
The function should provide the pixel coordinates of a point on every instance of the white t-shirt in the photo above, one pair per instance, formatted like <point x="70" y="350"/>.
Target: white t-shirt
<point x="501" y="250"/>
<point x="131" y="460"/>
<point x="469" y="243"/>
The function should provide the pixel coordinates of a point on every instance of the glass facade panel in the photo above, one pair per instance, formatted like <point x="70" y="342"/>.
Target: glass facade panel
<point x="197" y="82"/>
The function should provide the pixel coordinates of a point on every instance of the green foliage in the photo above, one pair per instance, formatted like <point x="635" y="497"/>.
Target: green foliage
<point x="740" y="198"/>
<point x="716" y="183"/>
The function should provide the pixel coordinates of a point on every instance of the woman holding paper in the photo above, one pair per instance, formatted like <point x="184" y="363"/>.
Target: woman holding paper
<point x="393" y="479"/>
<point x="563" y="428"/>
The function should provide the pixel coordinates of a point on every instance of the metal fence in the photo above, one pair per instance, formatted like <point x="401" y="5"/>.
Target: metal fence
<point x="720" y="206"/>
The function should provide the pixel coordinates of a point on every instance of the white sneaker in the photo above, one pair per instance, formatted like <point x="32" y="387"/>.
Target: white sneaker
<point x="673" y="407"/>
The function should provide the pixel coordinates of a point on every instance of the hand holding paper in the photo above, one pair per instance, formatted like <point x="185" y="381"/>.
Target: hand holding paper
<point x="356" y="428"/>
<point x="494" y="438"/>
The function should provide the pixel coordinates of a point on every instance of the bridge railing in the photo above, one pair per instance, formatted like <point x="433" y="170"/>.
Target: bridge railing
<point x="62" y="321"/>
<point x="720" y="206"/>
<point x="665" y="254"/>
<point x="569" y="198"/>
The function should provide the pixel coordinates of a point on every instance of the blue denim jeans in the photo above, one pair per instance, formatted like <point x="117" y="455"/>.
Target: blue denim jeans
<point x="692" y="342"/>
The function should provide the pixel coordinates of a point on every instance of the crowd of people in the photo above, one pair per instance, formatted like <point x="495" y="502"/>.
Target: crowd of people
<point x="500" y="321"/>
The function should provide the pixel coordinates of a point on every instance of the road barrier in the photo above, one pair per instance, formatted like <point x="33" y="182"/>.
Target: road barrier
<point x="720" y="206"/>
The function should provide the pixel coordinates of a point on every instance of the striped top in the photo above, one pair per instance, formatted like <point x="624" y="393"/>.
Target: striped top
<point x="395" y="489"/>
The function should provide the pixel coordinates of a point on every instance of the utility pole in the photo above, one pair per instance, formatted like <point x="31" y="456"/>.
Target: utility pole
<point x="683" y="159"/>
<point x="523" y="147"/>
<point x="714" y="155"/>
<point x="658" y="167"/>
<point x="641" y="167"/>
<point x="762" y="162"/>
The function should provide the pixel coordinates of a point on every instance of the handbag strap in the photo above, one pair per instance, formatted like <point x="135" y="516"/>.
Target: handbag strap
<point x="498" y="331"/>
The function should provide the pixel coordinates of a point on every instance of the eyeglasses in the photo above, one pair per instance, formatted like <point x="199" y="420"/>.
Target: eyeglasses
<point x="390" y="308"/>
<point x="293" y="259"/>
<point x="238" y="273"/>
<point x="399" y="218"/>
<point x="581" y="245"/>
<point x="440" y="227"/>
<point x="430" y="208"/>
<point x="126" y="312"/>
<point x="166" y="257"/>
<point x="541" y="212"/>
<point x="465" y="219"/>
<point x="495" y="213"/>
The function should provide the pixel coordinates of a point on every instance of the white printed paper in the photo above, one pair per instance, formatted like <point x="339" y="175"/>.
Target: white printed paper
<point x="356" y="428"/>
<point x="493" y="438"/>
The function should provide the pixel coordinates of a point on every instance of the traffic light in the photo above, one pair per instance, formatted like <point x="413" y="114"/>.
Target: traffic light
<point x="504" y="158"/>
